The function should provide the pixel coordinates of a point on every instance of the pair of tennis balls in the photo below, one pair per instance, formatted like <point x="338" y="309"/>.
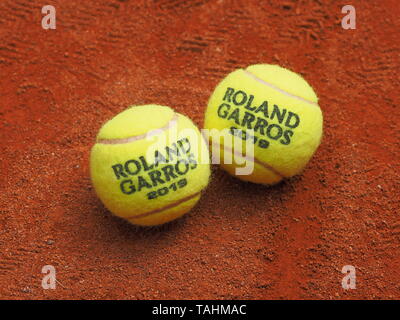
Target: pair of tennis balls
<point x="148" y="167"/>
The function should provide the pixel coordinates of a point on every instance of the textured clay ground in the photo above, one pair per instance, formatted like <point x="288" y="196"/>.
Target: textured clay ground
<point x="242" y="240"/>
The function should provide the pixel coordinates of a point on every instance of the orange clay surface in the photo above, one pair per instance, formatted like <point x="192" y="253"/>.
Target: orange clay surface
<point x="242" y="241"/>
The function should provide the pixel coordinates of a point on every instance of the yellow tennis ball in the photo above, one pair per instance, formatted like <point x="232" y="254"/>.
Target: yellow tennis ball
<point x="149" y="165"/>
<point x="267" y="109"/>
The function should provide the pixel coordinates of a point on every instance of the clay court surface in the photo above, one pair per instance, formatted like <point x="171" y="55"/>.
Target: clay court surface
<point x="242" y="241"/>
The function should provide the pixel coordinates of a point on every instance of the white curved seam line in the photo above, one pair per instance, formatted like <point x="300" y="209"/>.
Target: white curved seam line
<point x="252" y="159"/>
<point x="167" y="207"/>
<point x="149" y="134"/>
<point x="251" y="75"/>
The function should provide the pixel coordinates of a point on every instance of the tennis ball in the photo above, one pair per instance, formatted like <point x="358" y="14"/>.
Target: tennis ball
<point x="147" y="165"/>
<point x="270" y="111"/>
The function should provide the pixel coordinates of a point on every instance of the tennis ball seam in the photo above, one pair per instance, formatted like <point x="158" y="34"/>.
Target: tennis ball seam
<point x="263" y="164"/>
<point x="266" y="83"/>
<point x="151" y="133"/>
<point x="170" y="206"/>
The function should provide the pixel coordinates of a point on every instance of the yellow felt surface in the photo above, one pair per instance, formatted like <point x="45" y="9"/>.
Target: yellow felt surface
<point x="288" y="159"/>
<point x="284" y="79"/>
<point x="261" y="175"/>
<point x="107" y="186"/>
<point x="167" y="215"/>
<point x="136" y="121"/>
